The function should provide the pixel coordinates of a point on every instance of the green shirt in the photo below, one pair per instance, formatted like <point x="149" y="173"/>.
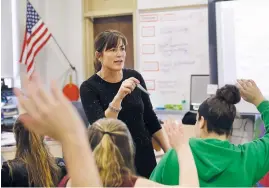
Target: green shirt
<point x="220" y="163"/>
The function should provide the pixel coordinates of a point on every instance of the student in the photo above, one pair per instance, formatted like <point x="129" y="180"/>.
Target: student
<point x="112" y="93"/>
<point x="220" y="163"/>
<point x="53" y="115"/>
<point x="33" y="164"/>
<point x="113" y="151"/>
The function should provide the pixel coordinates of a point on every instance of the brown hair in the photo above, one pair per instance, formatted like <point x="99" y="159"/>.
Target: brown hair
<point x="219" y="110"/>
<point x="113" y="150"/>
<point x="106" y="40"/>
<point x="31" y="151"/>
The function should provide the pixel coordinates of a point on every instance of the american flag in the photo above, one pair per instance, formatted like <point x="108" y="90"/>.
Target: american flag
<point x="35" y="37"/>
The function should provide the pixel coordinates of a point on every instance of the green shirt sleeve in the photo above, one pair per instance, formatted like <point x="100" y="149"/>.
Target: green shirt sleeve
<point x="158" y="171"/>
<point x="167" y="170"/>
<point x="257" y="151"/>
<point x="156" y="175"/>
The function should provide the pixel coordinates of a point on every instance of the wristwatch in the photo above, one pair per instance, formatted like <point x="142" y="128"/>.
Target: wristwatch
<point x="112" y="108"/>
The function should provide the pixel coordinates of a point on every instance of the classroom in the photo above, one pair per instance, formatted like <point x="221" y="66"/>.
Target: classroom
<point x="164" y="92"/>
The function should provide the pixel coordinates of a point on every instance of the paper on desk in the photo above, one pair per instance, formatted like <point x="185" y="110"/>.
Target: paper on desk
<point x="7" y="139"/>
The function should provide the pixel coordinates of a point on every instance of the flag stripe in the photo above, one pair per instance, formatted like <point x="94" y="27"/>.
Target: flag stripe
<point x="29" y="40"/>
<point x="30" y="71"/>
<point x="40" y="26"/>
<point x="37" y="39"/>
<point x="37" y="49"/>
<point x="33" y="42"/>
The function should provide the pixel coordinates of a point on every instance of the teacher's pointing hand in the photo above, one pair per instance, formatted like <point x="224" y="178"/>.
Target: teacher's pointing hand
<point x="127" y="87"/>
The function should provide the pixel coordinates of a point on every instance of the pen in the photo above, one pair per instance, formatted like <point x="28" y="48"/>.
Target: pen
<point x="142" y="89"/>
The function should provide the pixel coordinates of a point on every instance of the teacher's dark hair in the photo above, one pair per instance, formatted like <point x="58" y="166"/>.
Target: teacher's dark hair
<point x="219" y="111"/>
<point x="105" y="41"/>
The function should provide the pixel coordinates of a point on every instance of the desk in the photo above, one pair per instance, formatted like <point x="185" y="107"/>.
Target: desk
<point x="174" y="114"/>
<point x="54" y="147"/>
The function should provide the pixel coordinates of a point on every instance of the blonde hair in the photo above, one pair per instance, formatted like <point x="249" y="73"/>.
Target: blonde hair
<point x="32" y="152"/>
<point x="113" y="150"/>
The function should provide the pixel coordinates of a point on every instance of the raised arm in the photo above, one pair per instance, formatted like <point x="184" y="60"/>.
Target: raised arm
<point x="257" y="150"/>
<point x="151" y="120"/>
<point x="188" y="173"/>
<point x="53" y="115"/>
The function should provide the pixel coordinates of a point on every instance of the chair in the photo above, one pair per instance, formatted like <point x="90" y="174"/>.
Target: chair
<point x="189" y="118"/>
<point x="79" y="107"/>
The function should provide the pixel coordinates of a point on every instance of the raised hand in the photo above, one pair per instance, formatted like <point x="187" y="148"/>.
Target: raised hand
<point x="250" y="92"/>
<point x="53" y="115"/>
<point x="175" y="133"/>
<point x="48" y="113"/>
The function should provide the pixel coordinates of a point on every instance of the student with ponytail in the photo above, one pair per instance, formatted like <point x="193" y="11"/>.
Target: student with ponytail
<point x="113" y="151"/>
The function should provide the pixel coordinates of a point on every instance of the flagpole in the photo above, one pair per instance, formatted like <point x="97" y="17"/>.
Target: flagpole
<point x="70" y="64"/>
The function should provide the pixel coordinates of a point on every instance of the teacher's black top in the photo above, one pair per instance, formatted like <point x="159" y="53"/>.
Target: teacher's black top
<point x="137" y="112"/>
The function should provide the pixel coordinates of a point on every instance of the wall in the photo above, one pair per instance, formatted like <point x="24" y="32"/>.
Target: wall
<point x="103" y="8"/>
<point x="6" y="37"/>
<point x="64" y="21"/>
<point x="66" y="26"/>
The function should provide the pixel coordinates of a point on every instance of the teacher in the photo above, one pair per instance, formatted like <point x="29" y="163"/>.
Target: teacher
<point x="112" y="93"/>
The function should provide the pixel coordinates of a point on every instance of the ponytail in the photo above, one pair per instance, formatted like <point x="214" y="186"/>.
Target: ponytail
<point x="110" y="162"/>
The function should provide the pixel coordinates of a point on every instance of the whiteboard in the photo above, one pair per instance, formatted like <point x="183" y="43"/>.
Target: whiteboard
<point x="243" y="44"/>
<point x="172" y="46"/>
